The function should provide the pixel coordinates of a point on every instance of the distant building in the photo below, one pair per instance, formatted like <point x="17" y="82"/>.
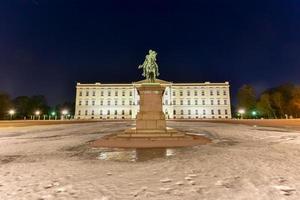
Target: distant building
<point x="180" y="101"/>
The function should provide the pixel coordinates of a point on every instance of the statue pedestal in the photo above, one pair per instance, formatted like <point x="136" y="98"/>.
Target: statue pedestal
<point x="150" y="120"/>
<point x="151" y="116"/>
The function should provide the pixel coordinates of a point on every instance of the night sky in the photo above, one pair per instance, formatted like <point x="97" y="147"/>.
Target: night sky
<point x="46" y="46"/>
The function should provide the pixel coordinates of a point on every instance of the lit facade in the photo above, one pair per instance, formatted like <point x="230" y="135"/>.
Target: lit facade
<point x="180" y="100"/>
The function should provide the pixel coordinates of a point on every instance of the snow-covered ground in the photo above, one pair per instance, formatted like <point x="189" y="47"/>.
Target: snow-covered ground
<point x="243" y="162"/>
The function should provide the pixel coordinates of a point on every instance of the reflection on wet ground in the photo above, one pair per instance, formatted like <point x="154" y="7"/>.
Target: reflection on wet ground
<point x="135" y="155"/>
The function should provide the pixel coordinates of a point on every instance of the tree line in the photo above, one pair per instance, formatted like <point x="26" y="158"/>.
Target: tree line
<point x="26" y="107"/>
<point x="274" y="103"/>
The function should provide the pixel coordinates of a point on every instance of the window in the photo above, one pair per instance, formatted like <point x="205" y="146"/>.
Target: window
<point x="219" y="112"/>
<point x="123" y="102"/>
<point x="188" y="93"/>
<point x="211" y="93"/>
<point x="225" y="102"/>
<point x="212" y="112"/>
<point x="108" y="93"/>
<point x="123" y="93"/>
<point x="86" y="103"/>
<point x="86" y="112"/>
<point x="218" y="92"/>
<point x="196" y="102"/>
<point x="203" y="102"/>
<point x="196" y="112"/>
<point x="93" y="103"/>
<point x="130" y="102"/>
<point x="79" y="112"/>
<point x="218" y="102"/>
<point x="130" y="112"/>
<point x="116" y="102"/>
<point x="226" y="112"/>
<point x="224" y="92"/>
<point x="181" y="112"/>
<point x="116" y="112"/>
<point x="195" y="93"/>
<point x="101" y="102"/>
<point x="202" y="93"/>
<point x="174" y="102"/>
<point x="130" y="93"/>
<point x="80" y="93"/>
<point x="116" y="93"/>
<point x="174" y="93"/>
<point x="189" y="102"/>
<point x="79" y="103"/>
<point x="94" y="93"/>
<point x="174" y="112"/>
<point x="181" y="102"/>
<point x="123" y="112"/>
<point x="93" y="112"/>
<point x="87" y="93"/>
<point x="108" y="102"/>
<point x="211" y="102"/>
<point x="204" y="112"/>
<point x="189" y="112"/>
<point x="180" y="93"/>
<point x="108" y="112"/>
<point x="102" y="93"/>
<point x="101" y="112"/>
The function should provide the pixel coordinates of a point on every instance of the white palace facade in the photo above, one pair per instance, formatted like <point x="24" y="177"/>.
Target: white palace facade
<point x="180" y="100"/>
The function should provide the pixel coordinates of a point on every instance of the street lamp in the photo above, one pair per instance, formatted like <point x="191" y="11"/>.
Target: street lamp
<point x="11" y="113"/>
<point x="241" y="112"/>
<point x="64" y="113"/>
<point x="37" y="113"/>
<point x="254" y="113"/>
<point x="53" y="114"/>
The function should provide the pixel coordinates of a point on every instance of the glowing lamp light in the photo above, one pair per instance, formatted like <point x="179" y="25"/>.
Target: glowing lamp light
<point x="254" y="113"/>
<point x="53" y="113"/>
<point x="241" y="111"/>
<point x="37" y="112"/>
<point x="64" y="112"/>
<point x="11" y="112"/>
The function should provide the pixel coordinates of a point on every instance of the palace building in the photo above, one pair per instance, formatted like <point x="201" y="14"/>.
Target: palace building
<point x="180" y="100"/>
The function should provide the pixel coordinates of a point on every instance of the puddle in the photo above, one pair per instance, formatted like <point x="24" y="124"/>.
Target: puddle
<point x="136" y="155"/>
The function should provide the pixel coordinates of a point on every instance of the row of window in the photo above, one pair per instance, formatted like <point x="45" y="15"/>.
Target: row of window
<point x="196" y="102"/>
<point x="188" y="93"/>
<point x="130" y="102"/>
<point x="166" y="102"/>
<point x="107" y="113"/>
<point x="109" y="93"/>
<point x="212" y="112"/>
<point x="182" y="112"/>
<point x="123" y="93"/>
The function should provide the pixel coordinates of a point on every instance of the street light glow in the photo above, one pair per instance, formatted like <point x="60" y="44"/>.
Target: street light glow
<point x="11" y="112"/>
<point x="37" y="112"/>
<point x="65" y="112"/>
<point x="241" y="111"/>
<point x="254" y="113"/>
<point x="53" y="113"/>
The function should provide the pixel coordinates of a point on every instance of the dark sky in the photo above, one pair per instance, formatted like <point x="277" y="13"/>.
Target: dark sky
<point x="46" y="46"/>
